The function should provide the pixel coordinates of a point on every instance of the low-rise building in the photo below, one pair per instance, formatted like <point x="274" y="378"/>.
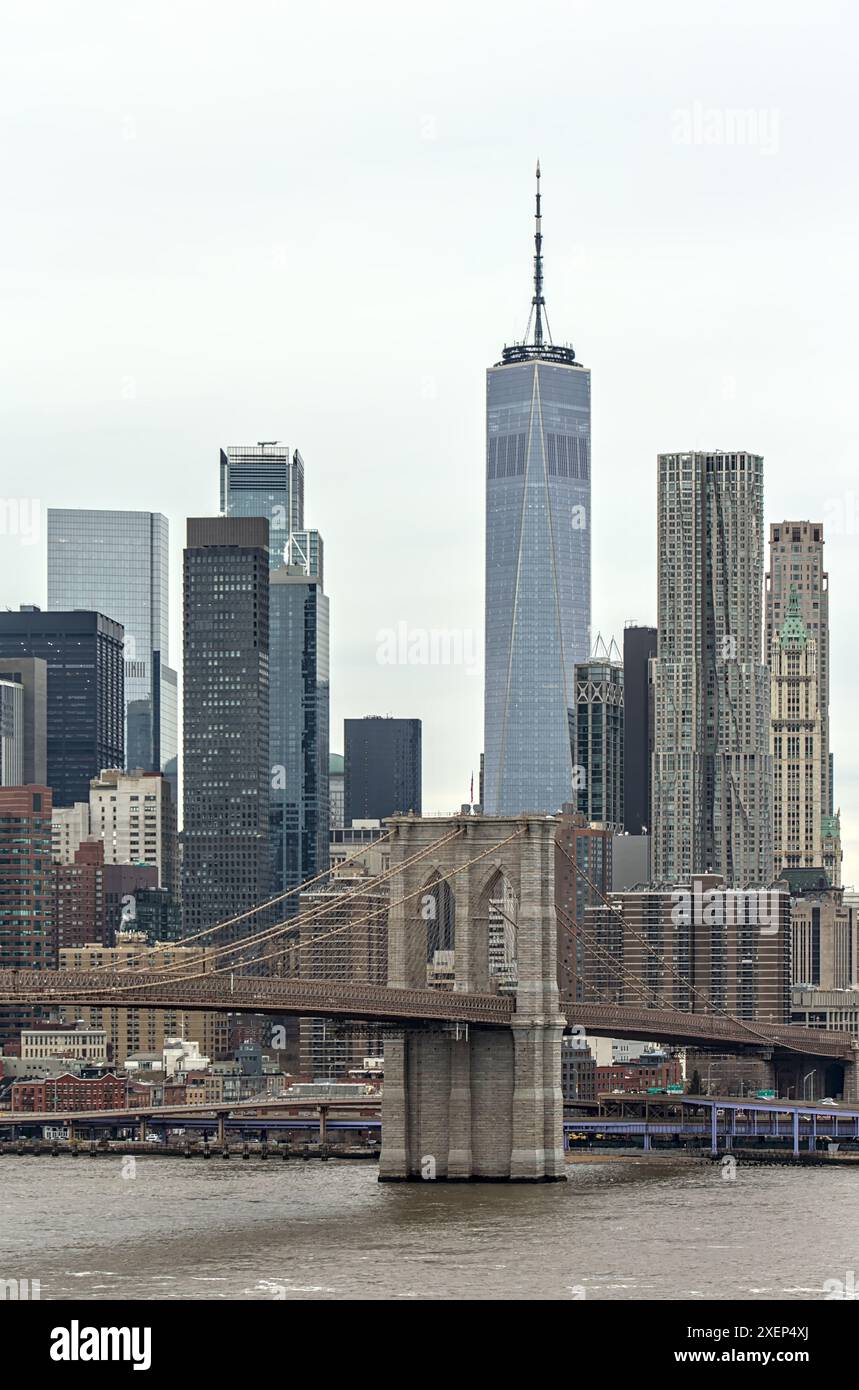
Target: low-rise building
<point x="64" y="1040"/>
<point x="69" y="1092"/>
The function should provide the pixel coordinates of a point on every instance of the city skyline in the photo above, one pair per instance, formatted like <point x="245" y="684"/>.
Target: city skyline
<point x="439" y="841"/>
<point x="690" y="325"/>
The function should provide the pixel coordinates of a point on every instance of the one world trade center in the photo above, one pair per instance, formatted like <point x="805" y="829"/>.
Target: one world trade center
<point x="538" y="562"/>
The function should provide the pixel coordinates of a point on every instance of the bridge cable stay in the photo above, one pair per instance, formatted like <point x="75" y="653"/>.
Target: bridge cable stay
<point x="378" y="912"/>
<point x="288" y="924"/>
<point x="324" y="910"/>
<point x="712" y="1006"/>
<point x="132" y="985"/>
<point x="575" y="930"/>
<point x="251" y="911"/>
<point x="647" y="992"/>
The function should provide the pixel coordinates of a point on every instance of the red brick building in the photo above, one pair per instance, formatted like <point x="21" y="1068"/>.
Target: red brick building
<point x="68" y="1092"/>
<point x="89" y="895"/>
<point x="638" y="1076"/>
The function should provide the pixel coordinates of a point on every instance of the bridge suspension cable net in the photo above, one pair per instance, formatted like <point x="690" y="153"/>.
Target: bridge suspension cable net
<point x="177" y="974"/>
<point x="711" y="1005"/>
<point x="288" y="925"/>
<point x="271" y="902"/>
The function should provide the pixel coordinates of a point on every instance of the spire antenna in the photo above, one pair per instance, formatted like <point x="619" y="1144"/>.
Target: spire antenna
<point x="538" y="301"/>
<point x="540" y="348"/>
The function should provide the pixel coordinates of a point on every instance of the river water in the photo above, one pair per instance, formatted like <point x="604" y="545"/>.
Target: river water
<point x="177" y="1229"/>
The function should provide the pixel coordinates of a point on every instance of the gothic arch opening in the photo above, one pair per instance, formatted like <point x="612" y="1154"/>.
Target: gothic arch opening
<point x="498" y="916"/>
<point x="438" y="911"/>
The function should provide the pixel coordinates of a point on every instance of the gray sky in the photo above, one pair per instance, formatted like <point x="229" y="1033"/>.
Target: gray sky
<point x="226" y="223"/>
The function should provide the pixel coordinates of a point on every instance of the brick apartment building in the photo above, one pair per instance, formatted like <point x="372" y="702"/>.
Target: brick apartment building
<point x="68" y="1092"/>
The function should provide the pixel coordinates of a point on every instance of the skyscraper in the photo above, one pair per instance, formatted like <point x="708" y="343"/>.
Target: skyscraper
<point x="796" y="562"/>
<point x="85" y="692"/>
<point x="596" y="728"/>
<point x="267" y="480"/>
<point x="299" y="738"/>
<point x="796" y="743"/>
<point x="382" y="767"/>
<point x="27" y="933"/>
<point x="31" y="673"/>
<point x="538" y="562"/>
<point x="117" y="563"/>
<point x="712" y="767"/>
<point x="639" y="645"/>
<point x="805" y="837"/>
<point x="226" y="720"/>
<point x="11" y="734"/>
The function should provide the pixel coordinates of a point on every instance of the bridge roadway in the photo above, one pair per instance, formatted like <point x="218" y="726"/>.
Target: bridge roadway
<point x="256" y="1113"/>
<point x="383" y="1004"/>
<point x="707" y="1030"/>
<point x="252" y="994"/>
<point x="729" y="1118"/>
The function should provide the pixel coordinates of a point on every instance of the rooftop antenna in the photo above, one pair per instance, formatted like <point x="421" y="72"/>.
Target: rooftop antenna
<point x="541" y="347"/>
<point x="538" y="301"/>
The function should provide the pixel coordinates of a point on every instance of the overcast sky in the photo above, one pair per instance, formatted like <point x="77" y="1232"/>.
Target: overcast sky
<point x="225" y="223"/>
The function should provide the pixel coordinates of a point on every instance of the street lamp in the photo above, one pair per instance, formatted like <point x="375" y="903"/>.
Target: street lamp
<point x="807" y="1077"/>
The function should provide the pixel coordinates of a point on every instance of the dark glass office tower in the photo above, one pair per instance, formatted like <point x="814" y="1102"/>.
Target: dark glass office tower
<point x="267" y="480"/>
<point x="639" y="645"/>
<point x="226" y="721"/>
<point x="538" y="563"/>
<point x="117" y="563"/>
<point x="596" y="729"/>
<point x="85" y="692"/>
<point x="383" y="767"/>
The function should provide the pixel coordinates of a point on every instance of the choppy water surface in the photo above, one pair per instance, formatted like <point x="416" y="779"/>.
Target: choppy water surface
<point x="255" y="1230"/>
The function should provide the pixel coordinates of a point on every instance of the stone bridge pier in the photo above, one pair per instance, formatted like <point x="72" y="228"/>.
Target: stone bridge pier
<point x="475" y="913"/>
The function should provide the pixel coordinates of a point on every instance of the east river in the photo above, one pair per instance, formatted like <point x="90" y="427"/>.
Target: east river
<point x="178" y="1229"/>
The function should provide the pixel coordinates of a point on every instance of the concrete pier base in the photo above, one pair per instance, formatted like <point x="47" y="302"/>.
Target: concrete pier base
<point x="475" y="1109"/>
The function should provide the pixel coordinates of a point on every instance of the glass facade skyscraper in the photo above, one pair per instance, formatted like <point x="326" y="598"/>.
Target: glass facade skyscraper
<point x="117" y="563"/>
<point x="538" y="565"/>
<point x="298" y="664"/>
<point x="267" y="480"/>
<point x="597" y="732"/>
<point x="84" y="700"/>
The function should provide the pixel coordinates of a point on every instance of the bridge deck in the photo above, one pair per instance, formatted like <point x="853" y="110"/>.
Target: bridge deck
<point x="382" y="1003"/>
<point x="247" y="994"/>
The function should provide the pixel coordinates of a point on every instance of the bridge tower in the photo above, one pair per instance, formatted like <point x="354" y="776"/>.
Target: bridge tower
<point x="476" y="913"/>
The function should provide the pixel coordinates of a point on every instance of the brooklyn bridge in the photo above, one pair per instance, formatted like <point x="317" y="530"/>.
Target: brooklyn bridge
<point x="470" y="997"/>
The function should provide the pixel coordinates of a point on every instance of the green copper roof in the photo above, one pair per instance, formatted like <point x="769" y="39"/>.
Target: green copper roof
<point x="793" y="628"/>
<point x="830" y="827"/>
